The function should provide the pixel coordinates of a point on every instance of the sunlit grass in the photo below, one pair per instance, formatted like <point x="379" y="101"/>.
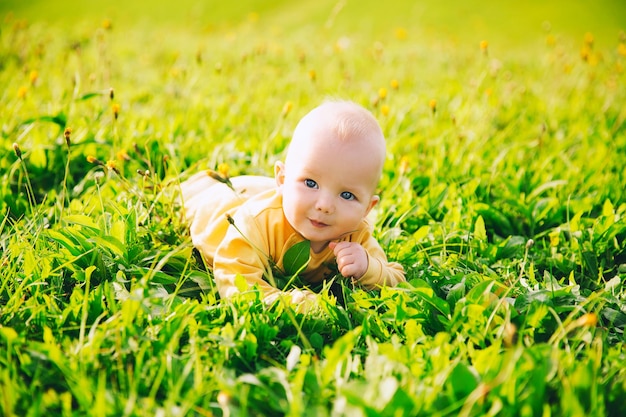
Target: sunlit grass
<point x="502" y="196"/>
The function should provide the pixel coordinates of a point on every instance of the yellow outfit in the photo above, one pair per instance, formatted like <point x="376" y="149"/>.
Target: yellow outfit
<point x="262" y="233"/>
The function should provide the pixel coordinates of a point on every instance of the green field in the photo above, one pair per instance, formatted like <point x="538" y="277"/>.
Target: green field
<point x="503" y="196"/>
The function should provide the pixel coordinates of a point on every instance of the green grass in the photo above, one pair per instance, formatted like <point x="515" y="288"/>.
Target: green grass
<point x="503" y="197"/>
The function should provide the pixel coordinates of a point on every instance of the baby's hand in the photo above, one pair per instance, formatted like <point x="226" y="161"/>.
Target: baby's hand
<point x="352" y="259"/>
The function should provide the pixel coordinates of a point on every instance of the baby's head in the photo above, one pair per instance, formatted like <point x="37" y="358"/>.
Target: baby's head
<point x="331" y="171"/>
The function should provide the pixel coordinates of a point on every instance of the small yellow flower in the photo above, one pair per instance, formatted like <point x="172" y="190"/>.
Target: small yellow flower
<point x="111" y="164"/>
<point x="587" y="320"/>
<point x="550" y="40"/>
<point x="67" y="133"/>
<point x="589" y="39"/>
<point x="384" y="109"/>
<point x="93" y="160"/>
<point x="433" y="105"/>
<point x="621" y="49"/>
<point x="116" y="110"/>
<point x="253" y="17"/>
<point x="401" y="33"/>
<point x="484" y="46"/>
<point x="122" y="155"/>
<point x="17" y="150"/>
<point x="223" y="169"/>
<point x="395" y="84"/>
<point x="21" y="92"/>
<point x="312" y="75"/>
<point x="33" y="76"/>
<point x="107" y="24"/>
<point x="404" y="164"/>
<point x="287" y="108"/>
<point x="382" y="93"/>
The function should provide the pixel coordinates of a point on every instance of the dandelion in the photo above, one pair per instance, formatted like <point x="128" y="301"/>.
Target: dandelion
<point x="312" y="75"/>
<point x="433" y="105"/>
<point x="223" y="169"/>
<point x="286" y="108"/>
<point x="404" y="164"/>
<point x="17" y="150"/>
<point x="484" y="46"/>
<point x="116" y="110"/>
<point x="400" y="33"/>
<point x="587" y="320"/>
<point x="111" y="164"/>
<point x="93" y="160"/>
<point x="122" y="155"/>
<point x="21" y="92"/>
<point x="382" y="93"/>
<point x="395" y="84"/>
<point x="107" y="24"/>
<point x="384" y="109"/>
<point x="67" y="133"/>
<point x="33" y="77"/>
<point x="253" y="17"/>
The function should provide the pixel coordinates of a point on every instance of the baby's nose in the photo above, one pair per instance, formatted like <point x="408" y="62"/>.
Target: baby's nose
<point x="324" y="204"/>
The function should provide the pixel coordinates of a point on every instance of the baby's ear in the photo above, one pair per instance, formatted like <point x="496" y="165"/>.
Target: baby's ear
<point x="279" y="174"/>
<point x="375" y="199"/>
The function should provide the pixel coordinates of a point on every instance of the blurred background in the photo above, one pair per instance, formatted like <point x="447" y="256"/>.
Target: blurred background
<point x="514" y="24"/>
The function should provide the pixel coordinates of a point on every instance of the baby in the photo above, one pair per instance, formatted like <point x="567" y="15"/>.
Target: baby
<point x="322" y="193"/>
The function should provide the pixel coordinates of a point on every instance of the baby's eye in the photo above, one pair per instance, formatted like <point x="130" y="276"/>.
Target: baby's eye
<point x="347" y="195"/>
<point x="310" y="183"/>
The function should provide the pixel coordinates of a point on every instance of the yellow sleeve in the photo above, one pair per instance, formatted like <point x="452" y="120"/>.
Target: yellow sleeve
<point x="380" y="272"/>
<point x="247" y="251"/>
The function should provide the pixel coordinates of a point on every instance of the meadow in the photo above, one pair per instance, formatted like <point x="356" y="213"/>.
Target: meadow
<point x="503" y="196"/>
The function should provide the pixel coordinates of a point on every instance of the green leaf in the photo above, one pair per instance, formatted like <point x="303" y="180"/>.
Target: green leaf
<point x="59" y="119"/>
<point x="463" y="380"/>
<point x="297" y="257"/>
<point x="87" y="96"/>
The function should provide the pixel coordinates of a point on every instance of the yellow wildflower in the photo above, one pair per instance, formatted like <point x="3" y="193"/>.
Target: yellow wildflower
<point x="223" y="169"/>
<point x="17" y="150"/>
<point x="587" y="320"/>
<point x="33" y="76"/>
<point x="484" y="45"/>
<point x="395" y="84"/>
<point x="67" y="133"/>
<point x="93" y="160"/>
<point x="433" y="105"/>
<point x="404" y="164"/>
<point x="312" y="75"/>
<point x="116" y="110"/>
<point x="21" y="92"/>
<point x="382" y="92"/>
<point x="287" y="108"/>
<point x="401" y="33"/>
<point x="384" y="109"/>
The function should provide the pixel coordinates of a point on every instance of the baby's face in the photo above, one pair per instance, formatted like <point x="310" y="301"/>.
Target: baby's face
<point x="328" y="188"/>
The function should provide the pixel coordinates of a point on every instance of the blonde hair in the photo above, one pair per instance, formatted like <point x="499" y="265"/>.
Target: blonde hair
<point x="347" y="120"/>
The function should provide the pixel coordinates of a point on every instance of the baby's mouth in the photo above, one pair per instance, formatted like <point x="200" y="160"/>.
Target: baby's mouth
<point x="317" y="224"/>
